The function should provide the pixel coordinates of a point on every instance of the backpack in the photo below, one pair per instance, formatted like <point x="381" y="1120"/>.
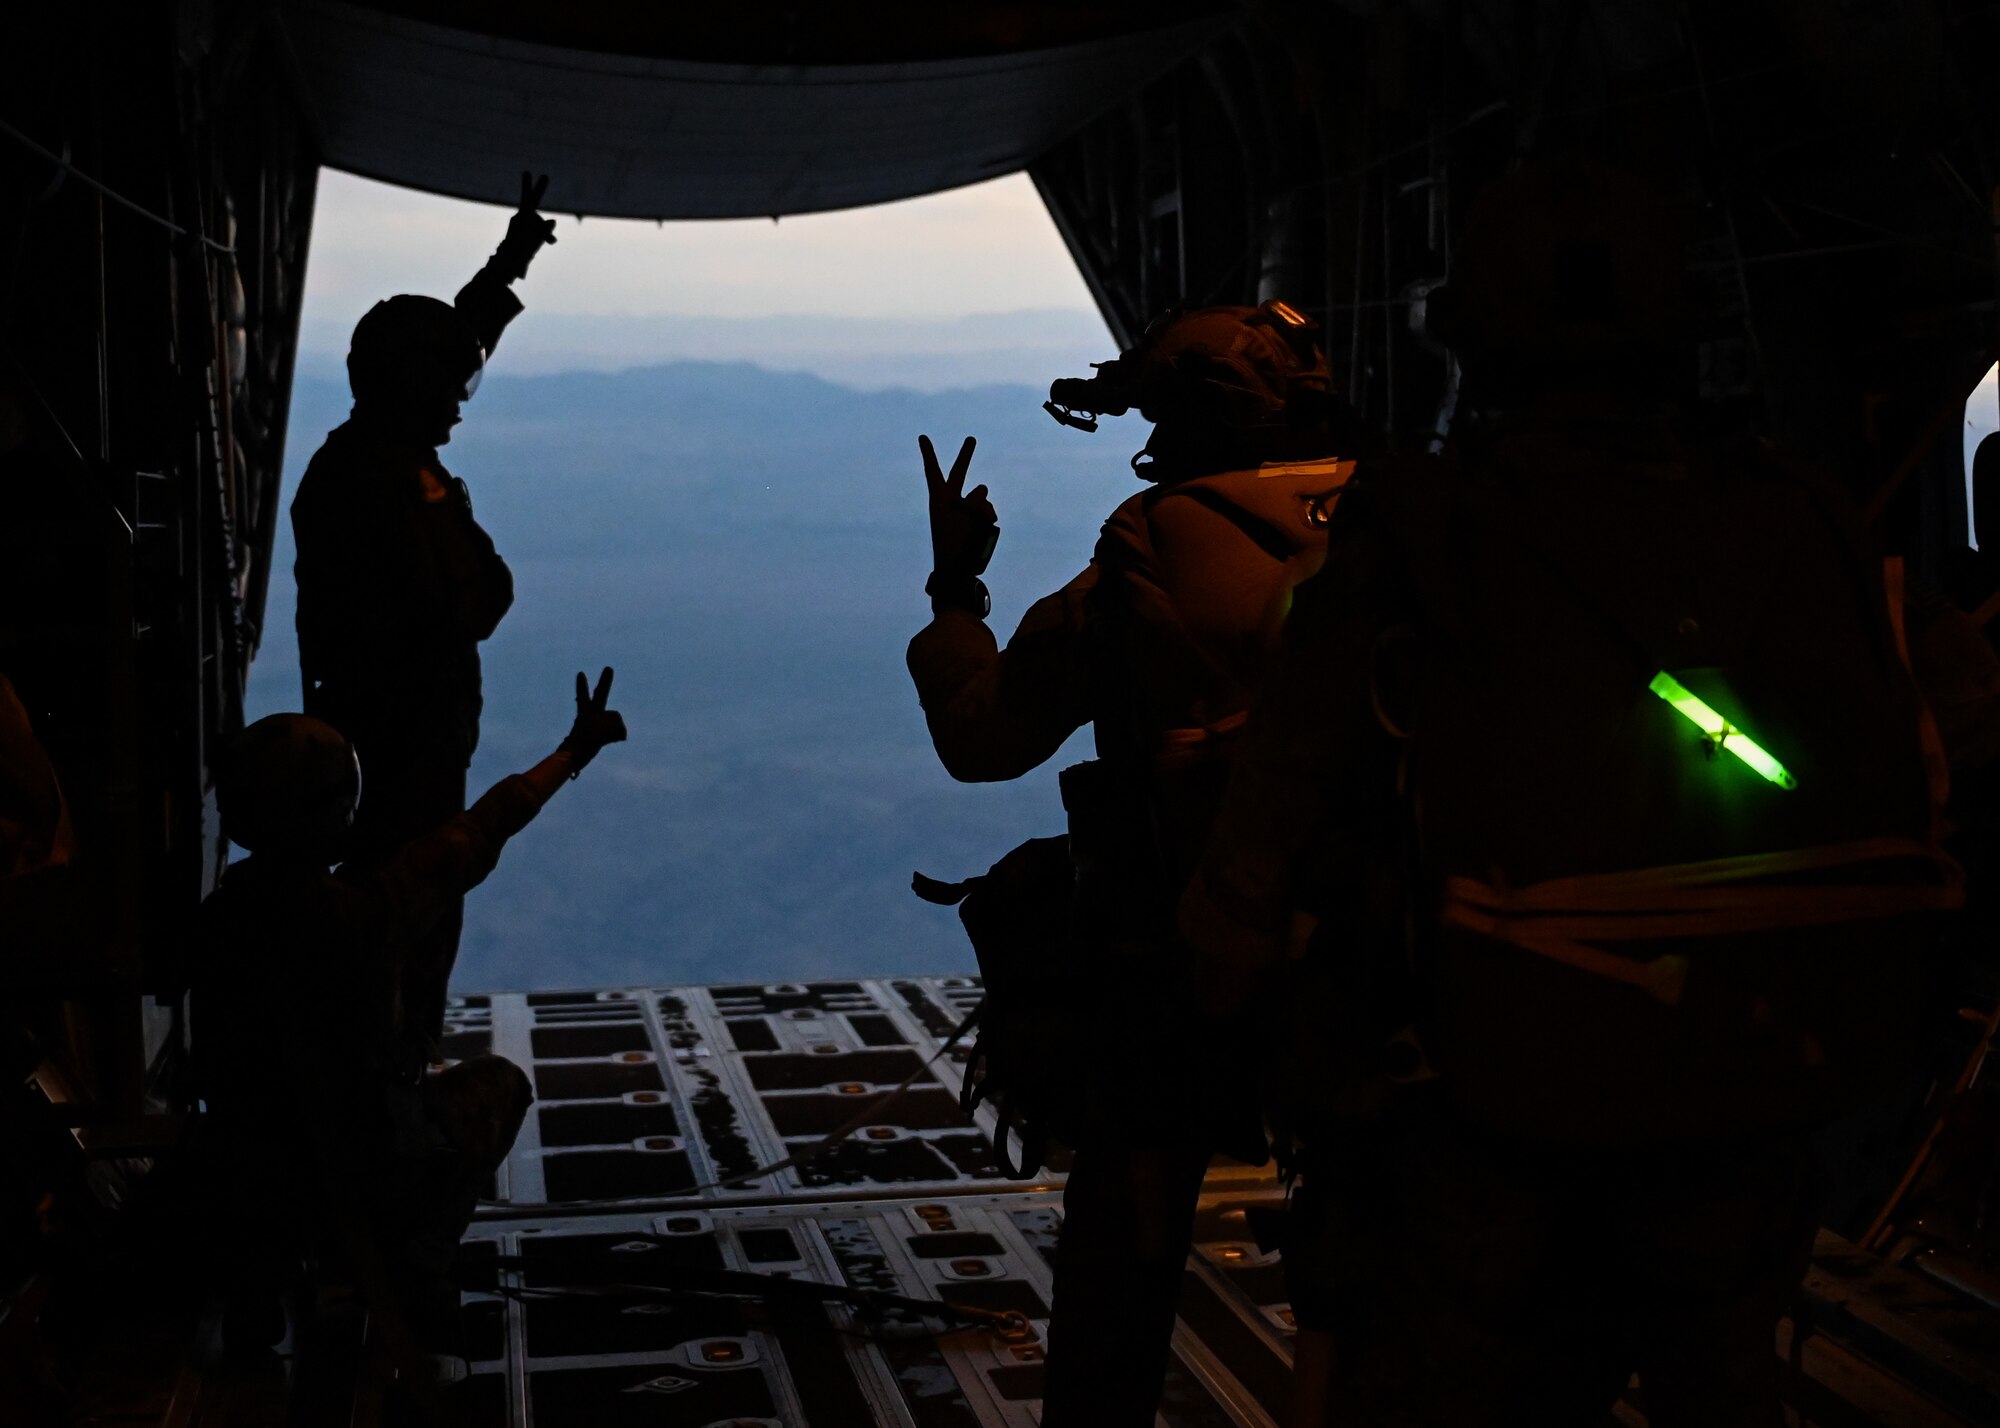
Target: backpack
<point x="1035" y="1039"/>
<point x="1673" y="807"/>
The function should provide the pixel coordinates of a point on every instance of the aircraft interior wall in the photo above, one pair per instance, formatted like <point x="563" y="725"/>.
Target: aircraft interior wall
<point x="156" y="188"/>
<point x="157" y="178"/>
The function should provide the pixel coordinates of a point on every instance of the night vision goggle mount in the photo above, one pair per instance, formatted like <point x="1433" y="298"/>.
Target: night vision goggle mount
<point x="1131" y="378"/>
<point x="1079" y="401"/>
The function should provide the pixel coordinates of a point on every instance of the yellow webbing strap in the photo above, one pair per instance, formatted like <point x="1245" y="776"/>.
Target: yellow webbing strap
<point x="1561" y="917"/>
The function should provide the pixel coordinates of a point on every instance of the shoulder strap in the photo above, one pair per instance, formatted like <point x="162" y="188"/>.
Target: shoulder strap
<point x="1261" y="533"/>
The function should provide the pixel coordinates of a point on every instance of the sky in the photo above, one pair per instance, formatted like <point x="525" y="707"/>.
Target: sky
<point x="1982" y="418"/>
<point x="968" y="286"/>
<point x="967" y="297"/>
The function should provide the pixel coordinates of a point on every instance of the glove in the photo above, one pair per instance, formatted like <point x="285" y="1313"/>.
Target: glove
<point x="595" y="725"/>
<point x="527" y="231"/>
<point x="964" y="530"/>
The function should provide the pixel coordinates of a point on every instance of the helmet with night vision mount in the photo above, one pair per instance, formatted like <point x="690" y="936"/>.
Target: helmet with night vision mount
<point x="1222" y="385"/>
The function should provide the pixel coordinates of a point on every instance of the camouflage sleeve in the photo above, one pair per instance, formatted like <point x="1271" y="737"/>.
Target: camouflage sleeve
<point x="413" y="888"/>
<point x="995" y="714"/>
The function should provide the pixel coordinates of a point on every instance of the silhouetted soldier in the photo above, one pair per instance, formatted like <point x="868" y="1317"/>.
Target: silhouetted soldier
<point x="313" y="1076"/>
<point x="1672" y="869"/>
<point x="397" y="582"/>
<point x="1159" y="645"/>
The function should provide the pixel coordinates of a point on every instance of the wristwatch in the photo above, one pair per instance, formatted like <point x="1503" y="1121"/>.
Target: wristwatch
<point x="958" y="592"/>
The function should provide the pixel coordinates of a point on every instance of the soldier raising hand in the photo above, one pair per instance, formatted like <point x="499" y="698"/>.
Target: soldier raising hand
<point x="398" y="583"/>
<point x="1159" y="644"/>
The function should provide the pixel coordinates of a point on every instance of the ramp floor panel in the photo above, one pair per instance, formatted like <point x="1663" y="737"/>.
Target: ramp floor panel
<point x="608" y="1209"/>
<point x="608" y="1217"/>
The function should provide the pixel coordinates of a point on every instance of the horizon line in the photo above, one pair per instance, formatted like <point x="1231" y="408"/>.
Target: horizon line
<point x="325" y="369"/>
<point x="943" y="320"/>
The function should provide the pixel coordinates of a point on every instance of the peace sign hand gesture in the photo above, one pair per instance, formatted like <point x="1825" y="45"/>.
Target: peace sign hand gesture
<point x="595" y="724"/>
<point x="527" y="230"/>
<point x="964" y="525"/>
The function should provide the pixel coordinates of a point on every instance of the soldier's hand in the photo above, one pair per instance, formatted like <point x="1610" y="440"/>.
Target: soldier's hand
<point x="596" y="725"/>
<point x="964" y="525"/>
<point x="527" y="230"/>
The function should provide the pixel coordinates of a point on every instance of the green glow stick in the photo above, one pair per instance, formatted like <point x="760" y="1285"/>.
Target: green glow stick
<point x="1720" y="731"/>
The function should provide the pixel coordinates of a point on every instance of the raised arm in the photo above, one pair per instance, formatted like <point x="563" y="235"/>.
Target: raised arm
<point x="993" y="714"/>
<point x="486" y="302"/>
<point x="456" y="857"/>
<point x="596" y="725"/>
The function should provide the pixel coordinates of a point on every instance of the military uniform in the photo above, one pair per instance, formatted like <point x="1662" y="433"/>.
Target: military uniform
<point x="398" y="584"/>
<point x="1159" y="644"/>
<point x="1636" y="1011"/>
<point x="314" y="1080"/>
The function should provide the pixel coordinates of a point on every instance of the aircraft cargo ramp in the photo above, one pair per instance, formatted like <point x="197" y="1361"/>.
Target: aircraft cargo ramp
<point x="646" y="1097"/>
<point x="613" y="1278"/>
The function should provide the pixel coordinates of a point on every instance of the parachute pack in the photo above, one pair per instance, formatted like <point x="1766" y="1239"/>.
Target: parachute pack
<point x="1671" y="791"/>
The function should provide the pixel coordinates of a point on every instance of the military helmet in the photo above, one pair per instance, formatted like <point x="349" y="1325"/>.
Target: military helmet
<point x="289" y="781"/>
<point x="412" y="347"/>
<point x="1236" y="367"/>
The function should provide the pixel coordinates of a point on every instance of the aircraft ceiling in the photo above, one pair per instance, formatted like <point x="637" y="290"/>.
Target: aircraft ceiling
<point x="765" y="120"/>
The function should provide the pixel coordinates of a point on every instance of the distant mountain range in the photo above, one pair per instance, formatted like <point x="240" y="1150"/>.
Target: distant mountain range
<point x="927" y="355"/>
<point x="748" y="548"/>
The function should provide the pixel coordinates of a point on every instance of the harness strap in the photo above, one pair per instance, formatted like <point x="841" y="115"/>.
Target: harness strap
<point x="1192" y="743"/>
<point x="1560" y="918"/>
<point x="1615" y="892"/>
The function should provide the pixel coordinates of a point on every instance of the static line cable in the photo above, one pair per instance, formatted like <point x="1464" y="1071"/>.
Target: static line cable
<point x="865" y="1116"/>
<point x="702" y="1283"/>
<point x="62" y="162"/>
